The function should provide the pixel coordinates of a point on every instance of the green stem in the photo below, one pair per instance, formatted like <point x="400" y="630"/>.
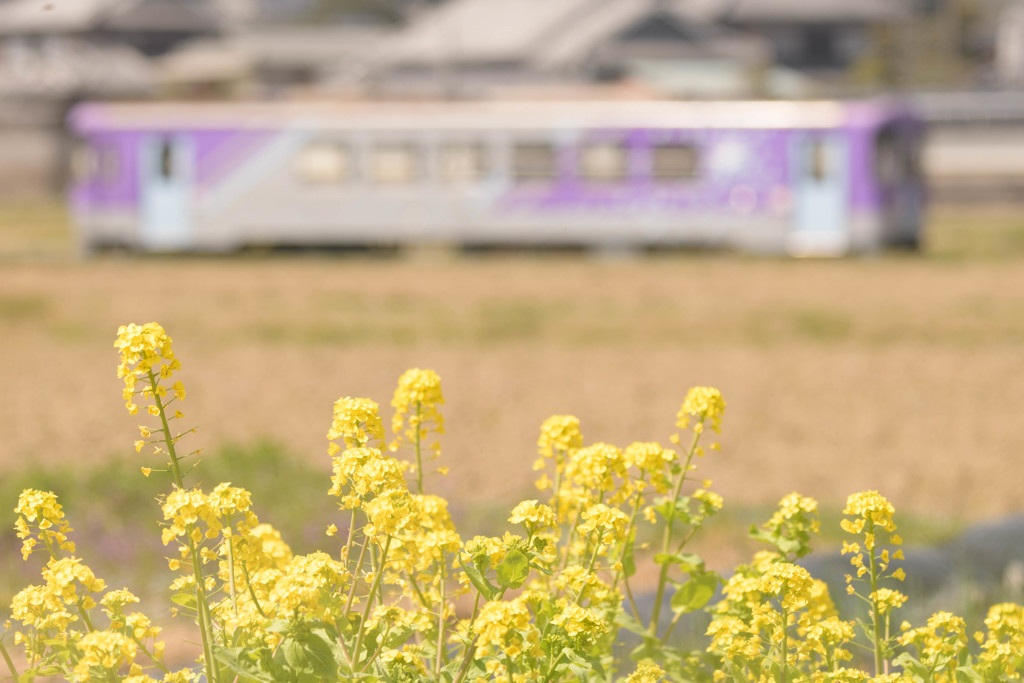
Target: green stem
<point x="252" y="592"/>
<point x="667" y="539"/>
<point x="419" y="458"/>
<point x="876" y="617"/>
<point x="784" y="653"/>
<point x="231" y="577"/>
<point x="8" y="660"/>
<point x="355" y="575"/>
<point x="440" y="627"/>
<point x="467" y="658"/>
<point x="620" y="573"/>
<point x="348" y="541"/>
<point x="85" y="616"/>
<point x="551" y="670"/>
<point x="205" y="623"/>
<point x="369" y="598"/>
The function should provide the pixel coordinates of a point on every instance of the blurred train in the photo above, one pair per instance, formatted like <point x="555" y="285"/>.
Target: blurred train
<point x="801" y="178"/>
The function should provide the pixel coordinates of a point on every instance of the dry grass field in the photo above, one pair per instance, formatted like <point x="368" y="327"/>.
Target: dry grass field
<point x="898" y="372"/>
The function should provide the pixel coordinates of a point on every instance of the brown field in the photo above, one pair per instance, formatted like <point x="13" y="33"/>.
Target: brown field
<point x="900" y="373"/>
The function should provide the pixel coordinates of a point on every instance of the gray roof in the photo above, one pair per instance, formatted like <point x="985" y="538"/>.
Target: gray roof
<point x="543" y="33"/>
<point x="49" y="16"/>
<point x="76" y="16"/>
<point x="200" y="16"/>
<point x="72" y="65"/>
<point x="484" y="30"/>
<point x="319" y="48"/>
<point x="811" y="11"/>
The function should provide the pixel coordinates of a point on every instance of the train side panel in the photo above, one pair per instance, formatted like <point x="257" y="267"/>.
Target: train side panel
<point x="822" y="189"/>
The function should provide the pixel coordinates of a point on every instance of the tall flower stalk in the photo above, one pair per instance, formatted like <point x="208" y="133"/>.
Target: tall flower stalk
<point x="147" y="359"/>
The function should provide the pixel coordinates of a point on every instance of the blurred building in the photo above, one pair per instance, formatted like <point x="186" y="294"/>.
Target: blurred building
<point x="674" y="48"/>
<point x="1009" y="45"/>
<point x="55" y="52"/>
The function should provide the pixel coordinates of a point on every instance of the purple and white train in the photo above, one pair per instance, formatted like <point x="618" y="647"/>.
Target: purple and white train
<point x="803" y="178"/>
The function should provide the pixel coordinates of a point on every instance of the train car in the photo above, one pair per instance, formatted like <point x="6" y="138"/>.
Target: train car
<point x="801" y="178"/>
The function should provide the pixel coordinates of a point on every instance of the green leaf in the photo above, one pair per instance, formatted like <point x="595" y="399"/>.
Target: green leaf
<point x="649" y="649"/>
<point x="626" y="621"/>
<point x="788" y="545"/>
<point x="294" y="654"/>
<point x="279" y="626"/>
<point x="236" y="659"/>
<point x="688" y="562"/>
<point x="695" y="593"/>
<point x="586" y="662"/>
<point x="320" y="656"/>
<point x="186" y="600"/>
<point x="478" y="580"/>
<point x="514" y="569"/>
<point x="628" y="561"/>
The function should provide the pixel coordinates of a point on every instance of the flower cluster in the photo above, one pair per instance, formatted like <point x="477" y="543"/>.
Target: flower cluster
<point x="399" y="596"/>
<point x="41" y="521"/>
<point x="357" y="422"/>
<point x="145" y="354"/>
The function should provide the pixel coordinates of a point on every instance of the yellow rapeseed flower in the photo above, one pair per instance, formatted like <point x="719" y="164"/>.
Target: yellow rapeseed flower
<point x="652" y="460"/>
<point x="580" y="623"/>
<point x="788" y="582"/>
<point x="646" y="673"/>
<point x="144" y="349"/>
<point x="600" y="468"/>
<point x="107" y="651"/>
<point x="869" y="507"/>
<point x="559" y="434"/>
<point x="40" y="511"/>
<point x="417" y="402"/>
<point x="533" y="515"/>
<point x="356" y="421"/>
<point x="609" y="523"/>
<point x="506" y="626"/>
<point x="361" y="472"/>
<point x="702" y="404"/>
<point x="887" y="599"/>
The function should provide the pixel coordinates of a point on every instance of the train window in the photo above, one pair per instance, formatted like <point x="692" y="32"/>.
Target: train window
<point x="675" y="162"/>
<point x="603" y="162"/>
<point x="394" y="164"/>
<point x="107" y="163"/>
<point x="462" y="162"/>
<point x="817" y="160"/>
<point x="912" y="154"/>
<point x="97" y="162"/>
<point x="897" y="155"/>
<point x="323" y="162"/>
<point x="534" y="161"/>
<point x="166" y="159"/>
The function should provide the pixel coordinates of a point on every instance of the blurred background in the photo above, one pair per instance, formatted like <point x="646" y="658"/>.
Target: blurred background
<point x="895" y="370"/>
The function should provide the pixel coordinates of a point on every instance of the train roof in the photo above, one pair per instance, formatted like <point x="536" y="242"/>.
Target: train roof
<point x="478" y="115"/>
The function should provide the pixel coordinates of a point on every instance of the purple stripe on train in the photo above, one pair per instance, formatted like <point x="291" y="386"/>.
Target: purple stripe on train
<point x="116" y="184"/>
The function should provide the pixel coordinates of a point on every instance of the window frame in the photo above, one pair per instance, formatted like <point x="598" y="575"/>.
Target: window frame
<point x="694" y="170"/>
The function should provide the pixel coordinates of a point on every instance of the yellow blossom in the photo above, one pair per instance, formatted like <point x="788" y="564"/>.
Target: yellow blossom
<point x="107" y="651"/>
<point x="788" y="582"/>
<point x="700" y="404"/>
<point x="559" y="434"/>
<point x="646" y="673"/>
<point x="41" y="511"/>
<point x="506" y="626"/>
<point x="533" y="515"/>
<point x="357" y="422"/>
<point x="417" y="402"/>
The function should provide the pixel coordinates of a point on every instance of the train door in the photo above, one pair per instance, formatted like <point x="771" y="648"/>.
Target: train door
<point x="819" y="169"/>
<point x="166" y="168"/>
